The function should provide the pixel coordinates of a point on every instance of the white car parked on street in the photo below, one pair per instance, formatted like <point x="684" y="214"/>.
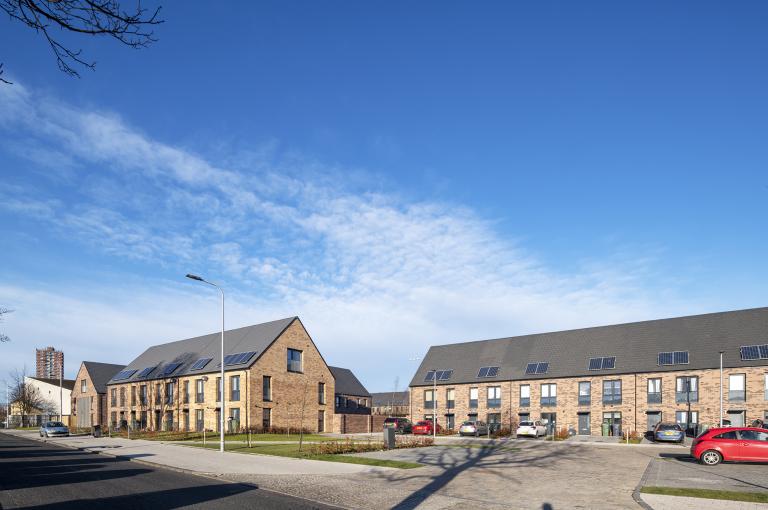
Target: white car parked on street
<point x="531" y="429"/>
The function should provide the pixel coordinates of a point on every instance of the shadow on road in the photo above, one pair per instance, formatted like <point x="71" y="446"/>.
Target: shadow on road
<point x="172" y="498"/>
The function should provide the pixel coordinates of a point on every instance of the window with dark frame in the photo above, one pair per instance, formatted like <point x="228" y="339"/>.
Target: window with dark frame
<point x="266" y="418"/>
<point x="687" y="389"/>
<point x="548" y="394"/>
<point x="525" y="395"/>
<point x="473" y="398"/>
<point x="234" y="388"/>
<point x="612" y="392"/>
<point x="494" y="397"/>
<point x="585" y="393"/>
<point x="294" y="361"/>
<point x="266" y="388"/>
<point x="321" y="393"/>
<point x="654" y="391"/>
<point x="199" y="391"/>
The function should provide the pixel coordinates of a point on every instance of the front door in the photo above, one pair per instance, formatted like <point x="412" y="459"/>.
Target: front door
<point x="549" y="420"/>
<point x="613" y="419"/>
<point x="737" y="418"/>
<point x="584" y="424"/>
<point x="449" y="421"/>
<point x="654" y="417"/>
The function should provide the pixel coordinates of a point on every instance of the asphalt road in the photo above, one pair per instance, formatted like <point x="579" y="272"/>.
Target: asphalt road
<point x="40" y="475"/>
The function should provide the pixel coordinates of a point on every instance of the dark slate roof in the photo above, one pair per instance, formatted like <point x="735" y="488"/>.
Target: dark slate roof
<point x="101" y="373"/>
<point x="256" y="338"/>
<point x="347" y="383"/>
<point x="635" y="345"/>
<point x="67" y="384"/>
<point x="394" y="398"/>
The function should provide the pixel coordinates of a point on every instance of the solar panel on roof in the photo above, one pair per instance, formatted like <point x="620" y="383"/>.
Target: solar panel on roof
<point x="445" y="375"/>
<point x="764" y="351"/>
<point x="595" y="363"/>
<point x="493" y="371"/>
<point x="169" y="368"/>
<point x="200" y="364"/>
<point x="531" y="368"/>
<point x="609" y="362"/>
<point x="666" y="358"/>
<point x="238" y="358"/>
<point x="542" y="368"/>
<point x="146" y="372"/>
<point x="125" y="374"/>
<point x="483" y="372"/>
<point x="430" y="376"/>
<point x="681" y="357"/>
<point x="750" y="352"/>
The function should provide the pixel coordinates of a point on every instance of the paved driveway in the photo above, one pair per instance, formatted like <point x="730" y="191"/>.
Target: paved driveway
<point x="505" y="475"/>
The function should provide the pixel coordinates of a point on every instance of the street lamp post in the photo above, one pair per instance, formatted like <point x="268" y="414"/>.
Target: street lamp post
<point x="434" y="405"/>
<point x="221" y="415"/>
<point x="721" y="389"/>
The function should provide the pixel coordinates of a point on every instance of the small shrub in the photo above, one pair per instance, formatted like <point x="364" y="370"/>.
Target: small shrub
<point x="502" y="432"/>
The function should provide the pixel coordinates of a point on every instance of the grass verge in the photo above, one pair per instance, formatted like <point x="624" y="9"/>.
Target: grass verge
<point x="214" y="436"/>
<point x="292" y="450"/>
<point x="751" y="497"/>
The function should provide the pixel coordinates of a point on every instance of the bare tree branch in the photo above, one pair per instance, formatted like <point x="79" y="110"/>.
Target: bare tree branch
<point x="91" y="17"/>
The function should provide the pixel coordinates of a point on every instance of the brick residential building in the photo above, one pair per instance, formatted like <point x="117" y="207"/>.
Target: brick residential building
<point x="352" y="404"/>
<point x="275" y="377"/>
<point x="629" y="376"/>
<point x="390" y="403"/>
<point x="89" y="396"/>
<point x="49" y="363"/>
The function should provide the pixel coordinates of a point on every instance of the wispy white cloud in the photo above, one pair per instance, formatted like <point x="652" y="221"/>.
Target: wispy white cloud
<point x="375" y="277"/>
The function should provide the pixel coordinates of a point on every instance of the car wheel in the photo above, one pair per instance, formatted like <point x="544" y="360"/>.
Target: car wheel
<point x="711" y="458"/>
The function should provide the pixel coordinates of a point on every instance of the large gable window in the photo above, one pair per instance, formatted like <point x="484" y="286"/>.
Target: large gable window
<point x="294" y="360"/>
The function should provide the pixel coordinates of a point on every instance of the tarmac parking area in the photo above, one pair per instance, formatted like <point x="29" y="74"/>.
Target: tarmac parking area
<point x="499" y="475"/>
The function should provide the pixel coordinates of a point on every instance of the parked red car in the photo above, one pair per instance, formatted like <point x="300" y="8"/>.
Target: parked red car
<point x="748" y="444"/>
<point x="425" y="428"/>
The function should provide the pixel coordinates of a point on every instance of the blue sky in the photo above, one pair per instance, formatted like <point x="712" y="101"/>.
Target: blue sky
<point x="396" y="175"/>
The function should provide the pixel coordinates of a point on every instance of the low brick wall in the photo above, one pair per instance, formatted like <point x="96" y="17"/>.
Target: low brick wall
<point x="357" y="423"/>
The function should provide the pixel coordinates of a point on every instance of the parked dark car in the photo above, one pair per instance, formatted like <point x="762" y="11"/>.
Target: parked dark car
<point x="748" y="444"/>
<point x="53" y="428"/>
<point x="401" y="425"/>
<point x="669" y="432"/>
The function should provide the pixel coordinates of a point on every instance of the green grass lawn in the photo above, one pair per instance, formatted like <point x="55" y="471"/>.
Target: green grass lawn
<point x="752" y="497"/>
<point x="292" y="450"/>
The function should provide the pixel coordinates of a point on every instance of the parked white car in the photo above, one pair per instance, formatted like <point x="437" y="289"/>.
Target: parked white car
<point x="531" y="429"/>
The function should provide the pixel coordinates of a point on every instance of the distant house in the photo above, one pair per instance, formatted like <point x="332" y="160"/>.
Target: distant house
<point x="351" y="396"/>
<point x="390" y="403"/>
<point x="89" y="397"/>
<point x="55" y="402"/>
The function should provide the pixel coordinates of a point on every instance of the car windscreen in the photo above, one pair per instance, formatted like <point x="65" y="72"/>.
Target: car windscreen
<point x="54" y="424"/>
<point x="390" y="420"/>
<point x="526" y="424"/>
<point x="669" y="426"/>
<point x="469" y="423"/>
<point x="423" y="423"/>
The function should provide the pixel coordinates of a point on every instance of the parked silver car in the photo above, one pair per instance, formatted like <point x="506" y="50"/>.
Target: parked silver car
<point x="473" y="428"/>
<point x="54" y="429"/>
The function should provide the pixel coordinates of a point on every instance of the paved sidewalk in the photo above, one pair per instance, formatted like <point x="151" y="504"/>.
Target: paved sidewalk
<point x="659" y="502"/>
<point x="202" y="461"/>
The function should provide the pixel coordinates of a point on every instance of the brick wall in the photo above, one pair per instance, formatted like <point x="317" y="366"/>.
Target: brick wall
<point x="96" y="402"/>
<point x="295" y="396"/>
<point x="634" y="404"/>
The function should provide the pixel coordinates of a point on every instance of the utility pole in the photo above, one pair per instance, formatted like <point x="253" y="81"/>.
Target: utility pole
<point x="61" y="396"/>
